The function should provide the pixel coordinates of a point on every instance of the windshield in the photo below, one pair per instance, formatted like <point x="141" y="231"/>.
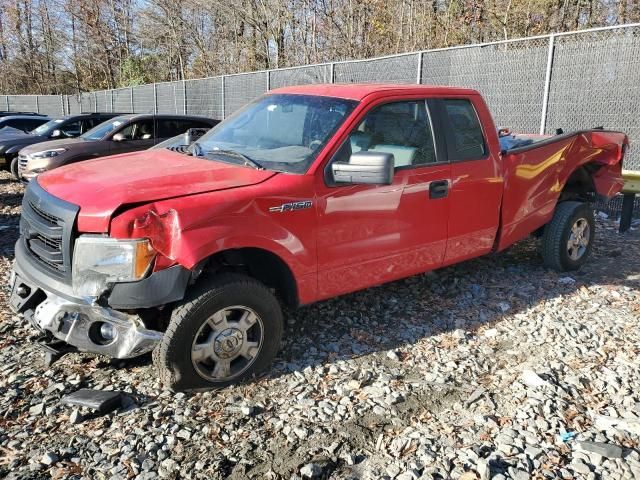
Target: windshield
<point x="98" y="132"/>
<point x="277" y="132"/>
<point x="46" y="128"/>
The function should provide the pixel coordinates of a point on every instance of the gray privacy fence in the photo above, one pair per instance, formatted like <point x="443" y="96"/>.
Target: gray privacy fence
<point x="569" y="80"/>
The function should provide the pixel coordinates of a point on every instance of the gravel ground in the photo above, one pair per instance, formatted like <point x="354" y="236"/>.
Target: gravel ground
<point x="495" y="368"/>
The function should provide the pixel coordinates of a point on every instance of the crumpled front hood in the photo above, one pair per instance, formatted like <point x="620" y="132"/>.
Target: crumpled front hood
<point x="101" y="186"/>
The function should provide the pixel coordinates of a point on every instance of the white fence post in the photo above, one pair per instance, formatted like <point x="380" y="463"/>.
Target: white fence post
<point x="419" y="76"/>
<point x="155" y="98"/>
<point x="133" y="108"/>
<point x="222" y="95"/>
<point x="62" y="104"/>
<point x="547" y="85"/>
<point x="184" y="97"/>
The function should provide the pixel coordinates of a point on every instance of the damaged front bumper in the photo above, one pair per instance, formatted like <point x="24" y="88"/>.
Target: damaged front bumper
<point x="95" y="329"/>
<point x="88" y="327"/>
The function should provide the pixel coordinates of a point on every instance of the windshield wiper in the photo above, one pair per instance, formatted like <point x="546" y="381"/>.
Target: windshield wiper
<point x="247" y="160"/>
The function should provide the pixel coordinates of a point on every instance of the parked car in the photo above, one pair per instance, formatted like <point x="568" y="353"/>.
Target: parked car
<point x="122" y="134"/>
<point x="307" y="193"/>
<point x="18" y="124"/>
<point x="23" y="123"/>
<point x="69" y="126"/>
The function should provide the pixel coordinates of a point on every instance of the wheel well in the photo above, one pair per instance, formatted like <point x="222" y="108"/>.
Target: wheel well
<point x="579" y="185"/>
<point x="260" y="264"/>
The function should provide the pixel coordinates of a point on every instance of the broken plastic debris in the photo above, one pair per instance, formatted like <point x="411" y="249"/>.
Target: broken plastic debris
<point x="102" y="401"/>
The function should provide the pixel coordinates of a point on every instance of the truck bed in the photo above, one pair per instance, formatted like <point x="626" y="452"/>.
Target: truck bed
<point x="534" y="176"/>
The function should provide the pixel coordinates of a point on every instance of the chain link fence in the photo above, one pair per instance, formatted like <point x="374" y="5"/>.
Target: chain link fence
<point x="570" y="80"/>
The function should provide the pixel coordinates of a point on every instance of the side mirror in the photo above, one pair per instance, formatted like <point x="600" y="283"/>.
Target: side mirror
<point x="365" y="168"/>
<point x="56" y="133"/>
<point x="118" y="137"/>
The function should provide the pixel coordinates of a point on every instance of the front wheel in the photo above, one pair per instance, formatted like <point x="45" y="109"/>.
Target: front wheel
<point x="568" y="239"/>
<point x="14" y="168"/>
<point x="227" y="331"/>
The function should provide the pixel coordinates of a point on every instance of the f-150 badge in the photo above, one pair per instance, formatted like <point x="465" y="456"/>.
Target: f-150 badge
<point x="290" y="207"/>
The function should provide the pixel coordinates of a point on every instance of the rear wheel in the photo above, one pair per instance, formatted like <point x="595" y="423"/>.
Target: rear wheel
<point x="568" y="239"/>
<point x="225" y="332"/>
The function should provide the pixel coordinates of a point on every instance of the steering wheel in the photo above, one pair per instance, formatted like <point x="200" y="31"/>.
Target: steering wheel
<point x="315" y="144"/>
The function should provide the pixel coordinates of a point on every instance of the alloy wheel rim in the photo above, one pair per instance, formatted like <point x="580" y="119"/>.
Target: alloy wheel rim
<point x="227" y="343"/>
<point x="579" y="238"/>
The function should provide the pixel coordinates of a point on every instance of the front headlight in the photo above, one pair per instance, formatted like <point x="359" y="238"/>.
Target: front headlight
<point x="48" y="153"/>
<point x="100" y="261"/>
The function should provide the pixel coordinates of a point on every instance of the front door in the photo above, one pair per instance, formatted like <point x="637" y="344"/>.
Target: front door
<point x="369" y="234"/>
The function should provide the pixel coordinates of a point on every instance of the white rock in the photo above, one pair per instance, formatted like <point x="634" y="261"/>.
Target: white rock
<point x="532" y="379"/>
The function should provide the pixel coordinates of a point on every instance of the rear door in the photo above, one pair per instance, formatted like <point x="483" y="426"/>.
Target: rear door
<point x="369" y="234"/>
<point x="476" y="178"/>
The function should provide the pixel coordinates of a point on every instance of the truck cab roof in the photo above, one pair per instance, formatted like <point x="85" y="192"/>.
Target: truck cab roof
<point x="358" y="91"/>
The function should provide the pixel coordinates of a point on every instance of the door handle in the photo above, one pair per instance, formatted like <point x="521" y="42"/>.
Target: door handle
<point x="439" y="189"/>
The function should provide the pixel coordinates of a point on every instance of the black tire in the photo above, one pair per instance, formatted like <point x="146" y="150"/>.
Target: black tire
<point x="173" y="356"/>
<point x="14" y="168"/>
<point x="555" y="249"/>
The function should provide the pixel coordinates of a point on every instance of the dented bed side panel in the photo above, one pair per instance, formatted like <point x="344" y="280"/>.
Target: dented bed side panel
<point x="535" y="176"/>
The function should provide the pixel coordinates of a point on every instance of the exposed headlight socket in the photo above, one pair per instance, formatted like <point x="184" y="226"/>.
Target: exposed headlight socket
<point x="102" y="333"/>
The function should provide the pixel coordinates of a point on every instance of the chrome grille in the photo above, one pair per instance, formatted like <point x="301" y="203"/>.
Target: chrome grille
<point x="22" y="163"/>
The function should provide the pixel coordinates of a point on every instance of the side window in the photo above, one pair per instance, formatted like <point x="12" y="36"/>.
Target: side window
<point x="89" y="123"/>
<point x="402" y="129"/>
<point x="464" y="132"/>
<point x="32" y="124"/>
<point x="142" y="130"/>
<point x="168" y="127"/>
<point x="184" y="125"/>
<point x="71" y="129"/>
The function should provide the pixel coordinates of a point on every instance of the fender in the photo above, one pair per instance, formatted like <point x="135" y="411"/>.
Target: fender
<point x="187" y="234"/>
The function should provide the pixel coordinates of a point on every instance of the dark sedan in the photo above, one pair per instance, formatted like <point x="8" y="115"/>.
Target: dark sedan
<point x="122" y="134"/>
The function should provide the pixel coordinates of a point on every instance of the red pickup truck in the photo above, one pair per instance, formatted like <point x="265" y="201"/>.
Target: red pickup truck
<point x="306" y="193"/>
